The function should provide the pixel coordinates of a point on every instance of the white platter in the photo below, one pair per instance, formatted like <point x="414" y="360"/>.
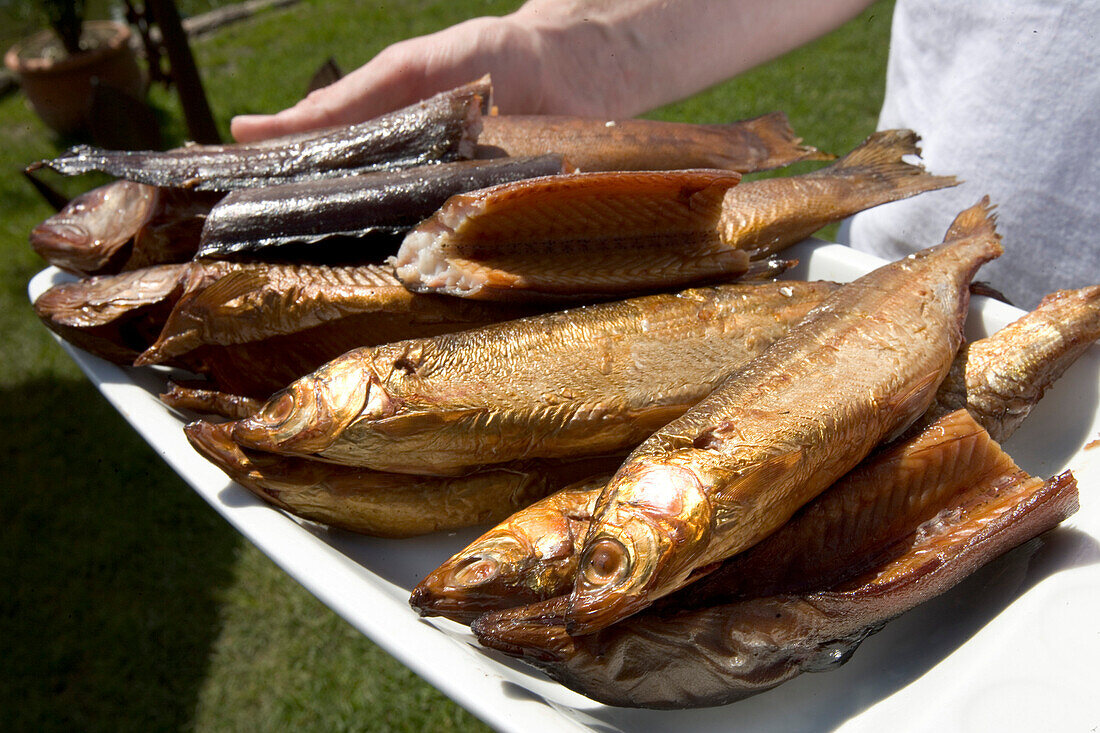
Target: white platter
<point x="1011" y="648"/>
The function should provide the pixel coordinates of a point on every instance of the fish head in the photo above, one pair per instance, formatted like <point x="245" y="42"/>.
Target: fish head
<point x="309" y="415"/>
<point x="641" y="547"/>
<point x="535" y="632"/>
<point x="508" y="566"/>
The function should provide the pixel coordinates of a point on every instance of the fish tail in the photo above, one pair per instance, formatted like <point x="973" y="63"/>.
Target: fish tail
<point x="775" y="131"/>
<point x="977" y="221"/>
<point x="881" y="159"/>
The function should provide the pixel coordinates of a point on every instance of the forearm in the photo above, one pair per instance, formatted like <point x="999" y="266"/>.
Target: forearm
<point x="623" y="57"/>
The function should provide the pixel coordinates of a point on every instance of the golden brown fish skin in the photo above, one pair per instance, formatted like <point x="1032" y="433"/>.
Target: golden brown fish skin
<point x="201" y="398"/>
<point x="602" y="378"/>
<point x="591" y="144"/>
<point x="529" y="557"/>
<point x="381" y="504"/>
<point x="765" y="216"/>
<point x="855" y="372"/>
<point x="693" y="656"/>
<point x="607" y="233"/>
<point x="91" y="232"/>
<point x="112" y="316"/>
<point x="334" y="309"/>
<point x="1002" y="377"/>
<point x="779" y="562"/>
<point x="574" y="236"/>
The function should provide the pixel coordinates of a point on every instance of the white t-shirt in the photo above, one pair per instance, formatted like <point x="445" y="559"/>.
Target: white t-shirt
<point x="1006" y="97"/>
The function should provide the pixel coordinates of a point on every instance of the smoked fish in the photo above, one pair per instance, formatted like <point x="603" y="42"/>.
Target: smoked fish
<point x="346" y="306"/>
<point x="123" y="226"/>
<point x="530" y="556"/>
<point x="441" y="128"/>
<point x="900" y="530"/>
<point x="533" y="554"/>
<point x="352" y="219"/>
<point x="611" y="233"/>
<point x="114" y="317"/>
<point x="574" y="236"/>
<point x="591" y="144"/>
<point x="856" y="372"/>
<point x="591" y="380"/>
<point x="386" y="504"/>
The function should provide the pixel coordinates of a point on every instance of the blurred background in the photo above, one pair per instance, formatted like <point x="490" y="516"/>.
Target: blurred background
<point x="130" y="604"/>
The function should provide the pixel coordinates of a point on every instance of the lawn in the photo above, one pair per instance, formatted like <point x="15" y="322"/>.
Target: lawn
<point x="130" y="604"/>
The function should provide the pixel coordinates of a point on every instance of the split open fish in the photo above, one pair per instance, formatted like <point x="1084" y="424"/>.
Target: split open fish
<point x="612" y="233"/>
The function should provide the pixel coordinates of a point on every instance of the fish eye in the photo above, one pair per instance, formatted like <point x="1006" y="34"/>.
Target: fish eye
<point x="606" y="561"/>
<point x="475" y="571"/>
<point x="276" y="411"/>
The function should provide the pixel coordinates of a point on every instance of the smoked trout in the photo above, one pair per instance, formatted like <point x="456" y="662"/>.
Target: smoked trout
<point x="385" y="504"/>
<point x="900" y="530"/>
<point x="857" y="371"/>
<point x="353" y="219"/>
<point x="442" y="128"/>
<point x="587" y="381"/>
<point x="609" y="233"/>
<point x="533" y="554"/>
<point x="591" y="144"/>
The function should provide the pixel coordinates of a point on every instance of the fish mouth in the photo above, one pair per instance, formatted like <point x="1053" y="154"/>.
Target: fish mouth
<point x="535" y="632"/>
<point x="458" y="591"/>
<point x="308" y="416"/>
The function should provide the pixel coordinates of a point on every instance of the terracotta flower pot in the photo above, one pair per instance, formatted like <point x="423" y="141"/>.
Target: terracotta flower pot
<point x="59" y="86"/>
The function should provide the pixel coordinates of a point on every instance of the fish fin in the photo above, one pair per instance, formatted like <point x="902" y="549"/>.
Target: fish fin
<point x="225" y="289"/>
<point x="912" y="403"/>
<point x="774" y="129"/>
<point x="882" y="157"/>
<point x="977" y="221"/>
<point x="762" y="473"/>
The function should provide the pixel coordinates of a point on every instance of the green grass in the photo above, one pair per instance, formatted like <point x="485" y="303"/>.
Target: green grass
<point x="129" y="603"/>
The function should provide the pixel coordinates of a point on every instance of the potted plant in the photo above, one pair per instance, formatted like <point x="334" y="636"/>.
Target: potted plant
<point x="58" y="68"/>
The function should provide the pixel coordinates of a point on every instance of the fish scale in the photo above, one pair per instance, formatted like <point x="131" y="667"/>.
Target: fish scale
<point x="775" y="434"/>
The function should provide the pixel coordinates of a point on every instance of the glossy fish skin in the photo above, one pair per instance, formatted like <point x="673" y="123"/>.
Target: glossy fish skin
<point x="199" y="397"/>
<point x="587" y="234"/>
<point x="591" y="144"/>
<point x="591" y="380"/>
<point x="1001" y="378"/>
<point x="381" y="504"/>
<point x="300" y="221"/>
<point x="1034" y="351"/>
<point x="338" y="308"/>
<point x="529" y="557"/>
<point x="574" y="236"/>
<point x="694" y="651"/>
<point x="855" y="372"/>
<point x="91" y="232"/>
<point x="766" y="216"/>
<point x="441" y="128"/>
<point x="114" y="317"/>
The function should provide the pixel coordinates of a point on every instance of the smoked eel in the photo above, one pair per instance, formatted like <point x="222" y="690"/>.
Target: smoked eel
<point x="442" y="128"/>
<point x="353" y="219"/>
